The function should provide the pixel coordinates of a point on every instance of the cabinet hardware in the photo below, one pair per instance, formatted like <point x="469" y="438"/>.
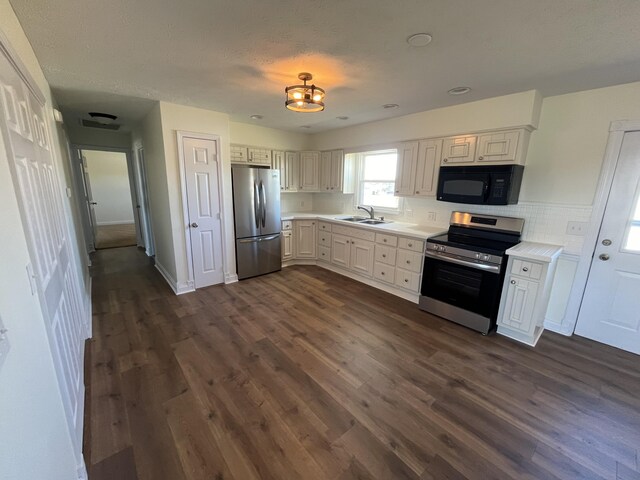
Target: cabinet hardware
<point x="408" y="262"/>
<point x="480" y="157"/>
<point x="445" y="160"/>
<point x="410" y="244"/>
<point x="384" y="240"/>
<point x="513" y="282"/>
<point x="384" y="255"/>
<point x="397" y="191"/>
<point x="382" y="273"/>
<point x="417" y="191"/>
<point x="525" y="269"/>
<point x="406" y="280"/>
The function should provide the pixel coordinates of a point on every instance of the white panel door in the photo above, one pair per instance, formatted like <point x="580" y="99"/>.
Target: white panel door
<point x="45" y="221"/>
<point x="610" y="310"/>
<point x="203" y="205"/>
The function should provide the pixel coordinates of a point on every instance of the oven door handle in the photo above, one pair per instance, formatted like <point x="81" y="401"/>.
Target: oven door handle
<point x="466" y="263"/>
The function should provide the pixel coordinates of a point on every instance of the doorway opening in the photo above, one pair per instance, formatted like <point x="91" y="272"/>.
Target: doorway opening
<point x="112" y="198"/>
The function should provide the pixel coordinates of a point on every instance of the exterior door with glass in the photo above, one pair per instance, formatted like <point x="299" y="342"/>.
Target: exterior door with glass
<point x="610" y="310"/>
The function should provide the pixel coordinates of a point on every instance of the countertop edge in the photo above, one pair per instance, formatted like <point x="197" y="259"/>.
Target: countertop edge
<point x="531" y="251"/>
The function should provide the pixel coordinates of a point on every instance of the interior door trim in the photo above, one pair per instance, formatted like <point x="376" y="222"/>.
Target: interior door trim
<point x="617" y="130"/>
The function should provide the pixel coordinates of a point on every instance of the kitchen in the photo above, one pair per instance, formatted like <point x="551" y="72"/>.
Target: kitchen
<point x="345" y="363"/>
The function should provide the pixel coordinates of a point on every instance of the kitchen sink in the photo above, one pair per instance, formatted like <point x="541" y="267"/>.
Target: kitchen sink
<point x="371" y="221"/>
<point x="351" y="219"/>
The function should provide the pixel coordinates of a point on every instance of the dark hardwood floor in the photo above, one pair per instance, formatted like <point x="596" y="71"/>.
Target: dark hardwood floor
<point x="305" y="374"/>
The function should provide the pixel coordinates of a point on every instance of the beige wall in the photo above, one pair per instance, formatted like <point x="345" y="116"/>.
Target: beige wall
<point x="566" y="152"/>
<point x="256" y="135"/>
<point x="109" y="177"/>
<point x="34" y="443"/>
<point x="197" y="120"/>
<point x="514" y="110"/>
<point x="94" y="137"/>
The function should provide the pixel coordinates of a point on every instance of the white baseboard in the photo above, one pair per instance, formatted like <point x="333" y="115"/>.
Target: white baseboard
<point x="117" y="222"/>
<point x="565" y="330"/>
<point x="178" y="288"/>
<point x="230" y="278"/>
<point x="89" y="310"/>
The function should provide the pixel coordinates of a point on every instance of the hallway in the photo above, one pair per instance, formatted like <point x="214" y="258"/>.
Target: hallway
<point x="305" y="374"/>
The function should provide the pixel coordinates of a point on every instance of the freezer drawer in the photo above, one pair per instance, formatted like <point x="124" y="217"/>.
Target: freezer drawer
<point x="258" y="255"/>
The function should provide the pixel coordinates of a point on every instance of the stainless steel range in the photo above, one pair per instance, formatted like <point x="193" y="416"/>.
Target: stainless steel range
<point x="464" y="269"/>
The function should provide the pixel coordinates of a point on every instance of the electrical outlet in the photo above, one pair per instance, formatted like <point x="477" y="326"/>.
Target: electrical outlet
<point x="409" y="213"/>
<point x="431" y="216"/>
<point x="577" y="228"/>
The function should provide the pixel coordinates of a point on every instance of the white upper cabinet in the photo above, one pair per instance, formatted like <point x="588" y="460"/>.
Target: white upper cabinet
<point x="239" y="154"/>
<point x="461" y="149"/>
<point x="292" y="171"/>
<point x="491" y="148"/>
<point x="428" y="166"/>
<point x="336" y="182"/>
<point x="406" y="168"/>
<point x="260" y="156"/>
<point x="325" y="172"/>
<point x="278" y="162"/>
<point x="309" y="171"/>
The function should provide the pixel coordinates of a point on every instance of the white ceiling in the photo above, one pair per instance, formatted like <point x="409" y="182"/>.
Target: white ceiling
<point x="237" y="56"/>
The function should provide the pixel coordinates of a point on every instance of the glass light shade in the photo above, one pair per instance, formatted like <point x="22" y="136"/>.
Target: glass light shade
<point x="304" y="98"/>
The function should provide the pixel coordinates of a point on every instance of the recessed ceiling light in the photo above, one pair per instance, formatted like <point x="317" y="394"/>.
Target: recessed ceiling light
<point x="305" y="126"/>
<point x="419" y="39"/>
<point x="342" y="118"/>
<point x="257" y="117"/>
<point x="459" y="91"/>
<point x="390" y="105"/>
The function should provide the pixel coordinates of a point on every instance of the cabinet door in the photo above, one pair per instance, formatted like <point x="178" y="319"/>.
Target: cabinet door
<point x="406" y="168"/>
<point x="429" y="154"/>
<point x="459" y="150"/>
<point x="305" y="239"/>
<point x="361" y="257"/>
<point x="340" y="250"/>
<point x="337" y="171"/>
<point x="292" y="171"/>
<point x="287" y="245"/>
<point x="518" y="308"/>
<point x="498" y="147"/>
<point x="239" y="154"/>
<point x="309" y="171"/>
<point x="325" y="172"/>
<point x="278" y="162"/>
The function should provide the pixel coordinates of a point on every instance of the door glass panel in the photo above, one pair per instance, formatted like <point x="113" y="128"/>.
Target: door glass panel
<point x="632" y="242"/>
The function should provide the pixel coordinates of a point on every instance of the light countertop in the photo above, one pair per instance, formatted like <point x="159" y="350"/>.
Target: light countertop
<point x="400" y="228"/>
<point x="541" y="252"/>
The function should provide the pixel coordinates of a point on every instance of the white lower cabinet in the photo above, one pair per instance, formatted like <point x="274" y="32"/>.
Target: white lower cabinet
<point x="324" y="254"/>
<point x="384" y="273"/>
<point x="526" y="291"/>
<point x="407" y="280"/>
<point x="304" y="238"/>
<point x="352" y="253"/>
<point x="287" y="245"/>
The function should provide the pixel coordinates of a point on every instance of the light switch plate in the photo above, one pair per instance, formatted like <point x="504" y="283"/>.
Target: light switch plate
<point x="4" y="343"/>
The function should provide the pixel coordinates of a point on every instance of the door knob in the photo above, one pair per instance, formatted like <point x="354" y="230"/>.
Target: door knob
<point x="604" y="257"/>
<point x="194" y="225"/>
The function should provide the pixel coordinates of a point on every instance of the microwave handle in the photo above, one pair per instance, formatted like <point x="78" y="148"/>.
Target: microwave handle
<point x="487" y="189"/>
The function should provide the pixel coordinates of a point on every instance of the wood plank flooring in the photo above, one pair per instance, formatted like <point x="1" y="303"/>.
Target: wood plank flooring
<point x="305" y="374"/>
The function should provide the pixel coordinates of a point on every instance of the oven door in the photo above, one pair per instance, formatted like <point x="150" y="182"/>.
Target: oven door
<point x="463" y="284"/>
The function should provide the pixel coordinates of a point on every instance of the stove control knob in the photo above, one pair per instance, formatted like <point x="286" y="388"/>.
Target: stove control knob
<point x="443" y="248"/>
<point x="486" y="258"/>
<point x="478" y="256"/>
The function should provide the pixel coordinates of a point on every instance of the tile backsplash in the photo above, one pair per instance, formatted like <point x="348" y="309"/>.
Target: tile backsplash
<point x="545" y="223"/>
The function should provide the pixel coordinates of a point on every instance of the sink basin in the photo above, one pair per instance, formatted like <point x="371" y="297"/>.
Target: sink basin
<point x="351" y="219"/>
<point x="370" y="221"/>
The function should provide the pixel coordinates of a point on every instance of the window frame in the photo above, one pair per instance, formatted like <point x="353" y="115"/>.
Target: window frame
<point x="358" y="197"/>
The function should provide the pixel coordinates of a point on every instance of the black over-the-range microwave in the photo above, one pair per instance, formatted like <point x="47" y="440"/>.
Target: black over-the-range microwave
<point x="481" y="185"/>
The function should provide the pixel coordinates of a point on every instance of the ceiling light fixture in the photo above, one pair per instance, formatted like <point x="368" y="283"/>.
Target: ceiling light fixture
<point x="419" y="39"/>
<point x="459" y="91"/>
<point x="390" y="105"/>
<point x="304" y="98"/>
<point x="103" y="118"/>
<point x="257" y="117"/>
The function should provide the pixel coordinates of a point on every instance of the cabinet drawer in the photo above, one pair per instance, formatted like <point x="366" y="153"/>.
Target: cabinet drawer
<point x="324" y="253"/>
<point x="411" y="244"/>
<point x="287" y="225"/>
<point x="324" y="227"/>
<point x="409" y="260"/>
<point x="384" y="273"/>
<point x="239" y="154"/>
<point x="407" y="280"/>
<point x="259" y="155"/>
<point x="384" y="239"/>
<point x="526" y="269"/>
<point x="324" y="238"/>
<point x="386" y="255"/>
<point x="362" y="234"/>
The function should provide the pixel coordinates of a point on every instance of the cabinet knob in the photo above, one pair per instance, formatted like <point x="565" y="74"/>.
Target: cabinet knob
<point x="480" y="157"/>
<point x="385" y="240"/>
<point x="445" y="160"/>
<point x="408" y="262"/>
<point x="513" y="282"/>
<point x="384" y="255"/>
<point x="406" y="280"/>
<point x="382" y="273"/>
<point x="417" y="191"/>
<point x="525" y="269"/>
<point x="397" y="191"/>
<point x="411" y="244"/>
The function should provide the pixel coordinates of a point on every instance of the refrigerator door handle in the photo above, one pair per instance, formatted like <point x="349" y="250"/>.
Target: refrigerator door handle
<point x="263" y="201"/>
<point x="259" y="239"/>
<point x="256" y="204"/>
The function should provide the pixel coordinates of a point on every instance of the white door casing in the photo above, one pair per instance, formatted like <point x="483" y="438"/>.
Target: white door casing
<point x="204" y="213"/>
<point x="89" y="201"/>
<point x="24" y="126"/>
<point x="610" y="310"/>
<point x="142" y="191"/>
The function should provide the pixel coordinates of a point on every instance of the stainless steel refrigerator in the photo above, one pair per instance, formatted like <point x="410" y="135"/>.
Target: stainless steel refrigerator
<point x="256" y="208"/>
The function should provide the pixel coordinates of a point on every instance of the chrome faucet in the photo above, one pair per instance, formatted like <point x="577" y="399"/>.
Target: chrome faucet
<point x="369" y="210"/>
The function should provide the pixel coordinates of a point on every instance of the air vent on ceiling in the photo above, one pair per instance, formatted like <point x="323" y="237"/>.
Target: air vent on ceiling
<point x="93" y="124"/>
